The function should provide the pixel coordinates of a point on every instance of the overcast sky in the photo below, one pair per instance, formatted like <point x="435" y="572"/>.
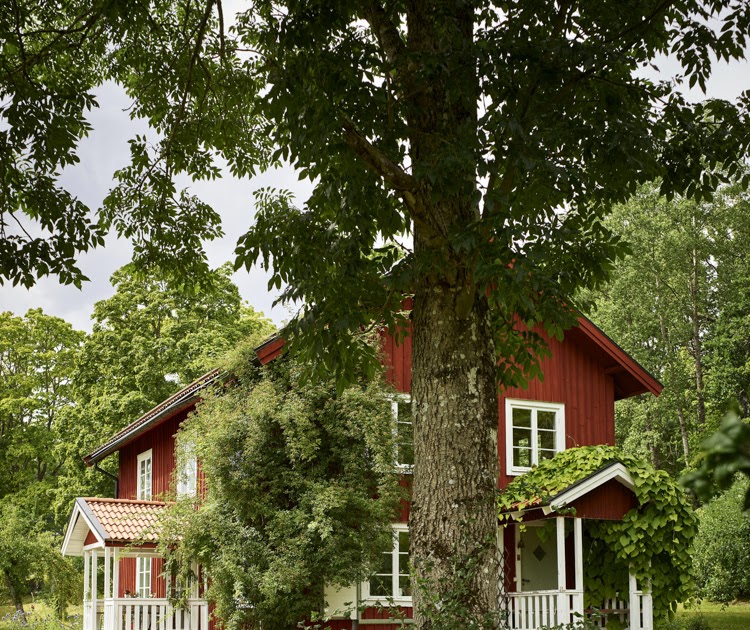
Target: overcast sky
<point x="106" y="150"/>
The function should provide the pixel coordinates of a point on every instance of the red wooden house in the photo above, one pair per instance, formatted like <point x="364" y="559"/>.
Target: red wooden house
<point x="573" y="406"/>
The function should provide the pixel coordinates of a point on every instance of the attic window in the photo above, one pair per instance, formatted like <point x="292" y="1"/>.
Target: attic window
<point x="535" y="431"/>
<point x="144" y="476"/>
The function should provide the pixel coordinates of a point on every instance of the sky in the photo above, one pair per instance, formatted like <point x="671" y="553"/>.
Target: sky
<point x="106" y="149"/>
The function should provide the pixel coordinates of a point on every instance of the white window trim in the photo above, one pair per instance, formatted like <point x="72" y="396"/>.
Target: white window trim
<point x="143" y="567"/>
<point x="396" y="400"/>
<point x="140" y="490"/>
<point x="404" y="600"/>
<point x="516" y="403"/>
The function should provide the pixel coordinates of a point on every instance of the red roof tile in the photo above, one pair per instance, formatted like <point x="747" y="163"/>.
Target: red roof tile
<point x="125" y="520"/>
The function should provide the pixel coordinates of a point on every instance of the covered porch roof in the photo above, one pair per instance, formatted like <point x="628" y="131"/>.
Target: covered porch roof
<point x="607" y="493"/>
<point x="98" y="522"/>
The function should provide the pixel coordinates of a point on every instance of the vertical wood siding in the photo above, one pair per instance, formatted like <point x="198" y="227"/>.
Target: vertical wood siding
<point x="161" y="441"/>
<point x="127" y="576"/>
<point x="573" y="377"/>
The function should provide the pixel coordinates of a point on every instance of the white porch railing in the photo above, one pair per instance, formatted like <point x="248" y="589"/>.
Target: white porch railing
<point x="539" y="609"/>
<point x="130" y="613"/>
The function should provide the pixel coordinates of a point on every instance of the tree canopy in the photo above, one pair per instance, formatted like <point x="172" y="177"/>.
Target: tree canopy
<point x="496" y="134"/>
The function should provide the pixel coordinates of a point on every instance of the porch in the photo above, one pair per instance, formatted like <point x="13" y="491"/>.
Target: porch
<point x="533" y="608"/>
<point x="124" y="583"/>
<point x="107" y="606"/>
<point x="552" y="552"/>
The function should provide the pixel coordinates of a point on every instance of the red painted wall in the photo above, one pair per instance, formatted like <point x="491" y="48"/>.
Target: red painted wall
<point x="571" y="376"/>
<point x="161" y="441"/>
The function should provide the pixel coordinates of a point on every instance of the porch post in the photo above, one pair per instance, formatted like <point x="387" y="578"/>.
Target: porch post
<point x="107" y="573"/>
<point x="563" y="607"/>
<point x="94" y="594"/>
<point x="115" y="573"/>
<point x="634" y="602"/>
<point x="578" y="554"/>
<point x="86" y="589"/>
<point x="648" y="609"/>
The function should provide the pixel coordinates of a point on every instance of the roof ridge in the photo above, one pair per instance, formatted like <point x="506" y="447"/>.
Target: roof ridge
<point x="125" y="501"/>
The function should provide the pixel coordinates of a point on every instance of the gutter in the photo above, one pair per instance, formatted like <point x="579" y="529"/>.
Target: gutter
<point x="111" y="476"/>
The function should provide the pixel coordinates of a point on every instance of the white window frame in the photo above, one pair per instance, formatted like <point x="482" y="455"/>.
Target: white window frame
<point x="143" y="494"/>
<point x="533" y="406"/>
<point x="187" y="475"/>
<point x="143" y="574"/>
<point x="396" y="400"/>
<point x="404" y="600"/>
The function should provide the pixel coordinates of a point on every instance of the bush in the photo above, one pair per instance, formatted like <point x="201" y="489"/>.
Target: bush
<point x="722" y="547"/>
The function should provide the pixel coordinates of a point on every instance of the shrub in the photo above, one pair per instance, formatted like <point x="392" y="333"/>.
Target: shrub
<point x="722" y="547"/>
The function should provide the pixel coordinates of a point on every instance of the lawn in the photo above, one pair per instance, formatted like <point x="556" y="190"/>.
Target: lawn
<point x="36" y="611"/>
<point x="716" y="617"/>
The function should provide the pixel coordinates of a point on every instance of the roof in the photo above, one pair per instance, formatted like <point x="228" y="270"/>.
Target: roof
<point x="613" y="471"/>
<point x="111" y="521"/>
<point x="177" y="402"/>
<point x="187" y="396"/>
<point x="630" y="377"/>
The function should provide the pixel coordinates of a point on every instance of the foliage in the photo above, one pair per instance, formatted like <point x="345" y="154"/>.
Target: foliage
<point x="34" y="621"/>
<point x="687" y="324"/>
<point x="149" y="339"/>
<point x="377" y="104"/>
<point x="654" y="539"/>
<point x="29" y="555"/>
<point x="300" y="492"/>
<point x="38" y="415"/>
<point x="724" y="454"/>
<point x="722" y="547"/>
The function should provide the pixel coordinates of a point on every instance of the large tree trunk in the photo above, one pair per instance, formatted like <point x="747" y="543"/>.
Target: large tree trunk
<point x="454" y="515"/>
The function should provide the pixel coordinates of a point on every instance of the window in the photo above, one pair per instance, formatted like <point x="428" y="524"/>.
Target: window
<point x="187" y="476"/>
<point x="391" y="579"/>
<point x="143" y="577"/>
<point x="403" y="423"/>
<point x="144" y="476"/>
<point x="535" y="431"/>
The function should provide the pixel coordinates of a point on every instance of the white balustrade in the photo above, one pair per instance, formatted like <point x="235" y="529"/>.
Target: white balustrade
<point x="130" y="613"/>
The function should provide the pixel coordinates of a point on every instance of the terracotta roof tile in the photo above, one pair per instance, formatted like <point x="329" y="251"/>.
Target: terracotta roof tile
<point x="125" y="520"/>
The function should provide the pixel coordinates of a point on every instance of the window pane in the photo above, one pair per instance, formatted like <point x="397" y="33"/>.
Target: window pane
<point x="546" y="420"/>
<point x="545" y="454"/>
<point x="522" y="418"/>
<point x="403" y="563"/>
<point x="404" y="433"/>
<point x="403" y="542"/>
<point x="521" y="456"/>
<point x="386" y="565"/>
<point x="381" y="585"/>
<point x="546" y="439"/>
<point x="522" y="437"/>
<point x="404" y="586"/>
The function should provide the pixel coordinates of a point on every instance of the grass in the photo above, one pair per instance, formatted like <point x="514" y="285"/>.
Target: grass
<point x="36" y="611"/>
<point x="717" y="617"/>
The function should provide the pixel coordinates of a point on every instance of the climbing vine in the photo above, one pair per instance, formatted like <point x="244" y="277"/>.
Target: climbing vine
<point x="655" y="538"/>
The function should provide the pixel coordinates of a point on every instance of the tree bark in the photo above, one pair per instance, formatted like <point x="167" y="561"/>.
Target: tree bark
<point x="683" y="434"/>
<point x="454" y="515"/>
<point x="15" y="598"/>
<point x="697" y="341"/>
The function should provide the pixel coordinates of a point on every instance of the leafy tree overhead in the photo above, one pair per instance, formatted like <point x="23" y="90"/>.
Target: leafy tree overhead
<point x="300" y="492"/>
<point x="497" y="134"/>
